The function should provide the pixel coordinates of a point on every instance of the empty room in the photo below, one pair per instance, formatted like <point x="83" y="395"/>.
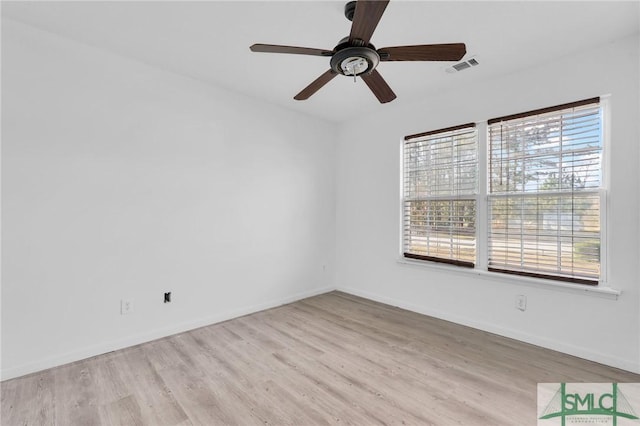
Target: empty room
<point x="320" y="212"/>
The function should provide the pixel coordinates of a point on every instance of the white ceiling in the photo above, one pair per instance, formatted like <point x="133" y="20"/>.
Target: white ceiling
<point x="210" y="41"/>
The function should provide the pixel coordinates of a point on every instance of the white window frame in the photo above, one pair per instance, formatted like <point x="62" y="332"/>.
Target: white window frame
<point x="480" y="270"/>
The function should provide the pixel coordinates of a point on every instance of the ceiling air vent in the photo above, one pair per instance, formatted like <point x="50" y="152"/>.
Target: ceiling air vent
<point x="461" y="66"/>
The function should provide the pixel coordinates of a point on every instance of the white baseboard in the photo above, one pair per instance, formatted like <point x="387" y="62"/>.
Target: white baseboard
<point x="102" y="348"/>
<point x="90" y="351"/>
<point x="555" y="345"/>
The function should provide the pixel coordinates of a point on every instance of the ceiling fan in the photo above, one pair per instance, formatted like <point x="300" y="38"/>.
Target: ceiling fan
<point x="354" y="56"/>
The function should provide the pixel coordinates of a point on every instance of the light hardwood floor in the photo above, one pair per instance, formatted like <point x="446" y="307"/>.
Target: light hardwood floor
<point x="329" y="359"/>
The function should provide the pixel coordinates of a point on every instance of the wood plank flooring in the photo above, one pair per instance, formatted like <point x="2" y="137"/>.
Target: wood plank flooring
<point x="329" y="359"/>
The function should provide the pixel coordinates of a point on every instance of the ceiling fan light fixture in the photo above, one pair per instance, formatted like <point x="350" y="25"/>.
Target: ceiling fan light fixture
<point x="353" y="61"/>
<point x="354" y="65"/>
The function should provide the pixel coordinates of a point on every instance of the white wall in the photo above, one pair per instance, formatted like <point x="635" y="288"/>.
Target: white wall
<point x="124" y="181"/>
<point x="368" y="212"/>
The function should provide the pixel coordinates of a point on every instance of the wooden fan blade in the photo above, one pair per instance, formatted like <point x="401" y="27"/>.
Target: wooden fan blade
<point x="366" y="18"/>
<point x="379" y="87"/>
<point x="424" y="52"/>
<point x="315" y="85"/>
<point x="274" y="48"/>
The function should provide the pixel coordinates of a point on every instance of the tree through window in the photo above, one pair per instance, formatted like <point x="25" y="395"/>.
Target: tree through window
<point x="543" y="196"/>
<point x="544" y="193"/>
<point x="439" y="198"/>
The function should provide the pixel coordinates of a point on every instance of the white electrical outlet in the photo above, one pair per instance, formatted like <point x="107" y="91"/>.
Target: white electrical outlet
<point x="126" y="306"/>
<point x="521" y="302"/>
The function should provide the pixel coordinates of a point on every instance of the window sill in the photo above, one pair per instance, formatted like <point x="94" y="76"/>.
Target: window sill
<point x="598" y="291"/>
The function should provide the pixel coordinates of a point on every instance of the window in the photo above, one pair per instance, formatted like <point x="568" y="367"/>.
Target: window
<point x="439" y="198"/>
<point x="538" y="213"/>
<point x="544" y="193"/>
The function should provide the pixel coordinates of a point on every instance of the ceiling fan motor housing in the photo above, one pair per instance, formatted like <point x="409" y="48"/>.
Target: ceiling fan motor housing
<point x="354" y="60"/>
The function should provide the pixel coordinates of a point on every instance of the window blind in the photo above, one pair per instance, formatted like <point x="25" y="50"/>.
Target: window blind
<point x="440" y="185"/>
<point x="544" y="193"/>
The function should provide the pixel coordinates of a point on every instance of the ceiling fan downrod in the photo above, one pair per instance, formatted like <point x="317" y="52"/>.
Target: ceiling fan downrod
<point x="350" y="10"/>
